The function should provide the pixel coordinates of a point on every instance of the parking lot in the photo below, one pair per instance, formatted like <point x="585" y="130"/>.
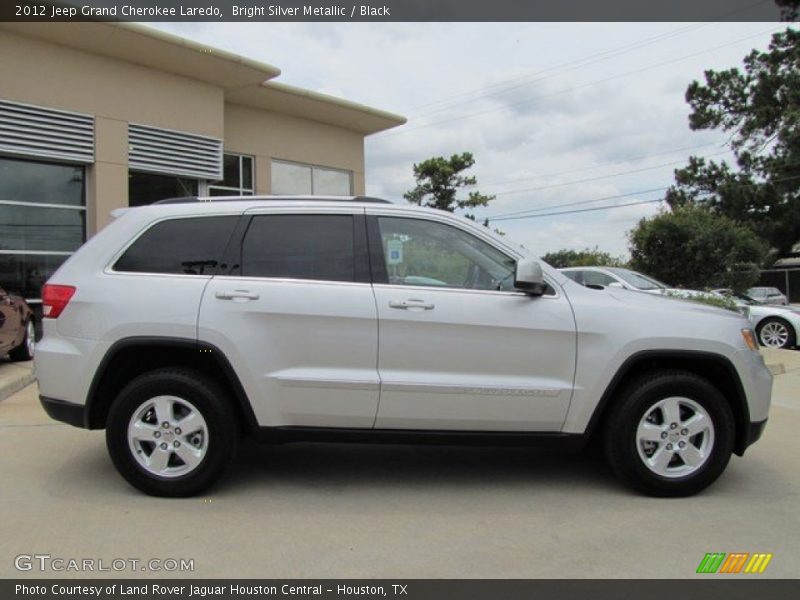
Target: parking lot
<point x="310" y="510"/>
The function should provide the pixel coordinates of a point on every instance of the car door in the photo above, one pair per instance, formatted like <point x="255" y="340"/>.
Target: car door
<point x="9" y="321"/>
<point x="459" y="348"/>
<point x="297" y="318"/>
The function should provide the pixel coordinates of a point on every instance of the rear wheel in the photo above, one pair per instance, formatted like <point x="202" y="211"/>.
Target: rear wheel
<point x="775" y="333"/>
<point x="670" y="434"/>
<point x="171" y="432"/>
<point x="28" y="345"/>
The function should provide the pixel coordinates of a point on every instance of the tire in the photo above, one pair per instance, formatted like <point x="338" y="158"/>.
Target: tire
<point x="774" y="332"/>
<point x="171" y="432"/>
<point x="26" y="348"/>
<point x="644" y="448"/>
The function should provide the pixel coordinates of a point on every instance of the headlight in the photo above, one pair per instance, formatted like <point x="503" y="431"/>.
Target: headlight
<point x="750" y="339"/>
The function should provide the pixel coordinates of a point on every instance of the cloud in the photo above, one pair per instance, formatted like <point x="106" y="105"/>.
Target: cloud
<point x="572" y="97"/>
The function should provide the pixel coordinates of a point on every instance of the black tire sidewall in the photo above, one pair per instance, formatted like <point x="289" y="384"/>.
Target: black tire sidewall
<point x="621" y="440"/>
<point x="206" y="397"/>
<point x="20" y="353"/>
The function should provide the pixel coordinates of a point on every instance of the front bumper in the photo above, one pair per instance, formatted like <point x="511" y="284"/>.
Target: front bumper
<point x="66" y="412"/>
<point x="751" y="435"/>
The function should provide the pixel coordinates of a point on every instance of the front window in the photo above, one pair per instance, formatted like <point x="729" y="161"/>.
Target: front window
<point x="637" y="280"/>
<point x="426" y="253"/>
<point x="237" y="177"/>
<point x="597" y="278"/>
<point x="298" y="179"/>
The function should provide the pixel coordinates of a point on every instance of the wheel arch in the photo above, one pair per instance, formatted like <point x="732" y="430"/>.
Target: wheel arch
<point x="715" y="368"/>
<point x="129" y="357"/>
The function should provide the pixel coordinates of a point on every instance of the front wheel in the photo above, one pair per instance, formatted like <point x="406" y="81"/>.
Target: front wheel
<point x="171" y="432"/>
<point x="776" y="333"/>
<point x="670" y="434"/>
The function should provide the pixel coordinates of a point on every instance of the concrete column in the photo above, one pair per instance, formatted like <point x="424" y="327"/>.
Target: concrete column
<point x="263" y="172"/>
<point x="108" y="178"/>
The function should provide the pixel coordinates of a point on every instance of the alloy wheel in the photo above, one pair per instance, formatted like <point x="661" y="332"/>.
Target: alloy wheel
<point x="774" y="334"/>
<point x="168" y="436"/>
<point x="675" y="437"/>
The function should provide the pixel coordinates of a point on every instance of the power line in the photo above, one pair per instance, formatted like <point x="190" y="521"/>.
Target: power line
<point x="597" y="166"/>
<point x="560" y="92"/>
<point x="580" y="62"/>
<point x="504" y="216"/>
<point x="579" y="210"/>
<point x="559" y="69"/>
<point x="524" y="214"/>
<point x="599" y="177"/>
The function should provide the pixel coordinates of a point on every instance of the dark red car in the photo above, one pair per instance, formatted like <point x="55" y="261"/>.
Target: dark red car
<point x="17" y="332"/>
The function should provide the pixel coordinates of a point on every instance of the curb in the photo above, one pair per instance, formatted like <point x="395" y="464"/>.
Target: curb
<point x="13" y="384"/>
<point x="777" y="368"/>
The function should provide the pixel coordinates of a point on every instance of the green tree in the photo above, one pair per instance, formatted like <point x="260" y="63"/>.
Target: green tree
<point x="695" y="248"/>
<point x="589" y="257"/>
<point x="759" y="108"/>
<point x="440" y="179"/>
<point x="790" y="9"/>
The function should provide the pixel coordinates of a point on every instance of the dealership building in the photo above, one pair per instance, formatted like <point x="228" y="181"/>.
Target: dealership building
<point x="98" y="116"/>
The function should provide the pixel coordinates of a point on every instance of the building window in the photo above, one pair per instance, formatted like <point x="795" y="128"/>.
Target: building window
<point x="298" y="179"/>
<point x="146" y="188"/>
<point x="237" y="177"/>
<point x="42" y="222"/>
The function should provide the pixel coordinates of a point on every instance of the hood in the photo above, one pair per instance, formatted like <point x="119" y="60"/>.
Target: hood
<point x="668" y="303"/>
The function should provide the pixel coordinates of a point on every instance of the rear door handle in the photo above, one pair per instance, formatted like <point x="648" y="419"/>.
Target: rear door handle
<point x="411" y="304"/>
<point x="240" y="295"/>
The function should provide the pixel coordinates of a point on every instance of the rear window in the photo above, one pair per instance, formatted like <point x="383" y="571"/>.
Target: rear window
<point x="317" y="247"/>
<point x="192" y="246"/>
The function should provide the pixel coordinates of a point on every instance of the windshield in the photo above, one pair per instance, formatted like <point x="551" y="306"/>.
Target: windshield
<point x="637" y="280"/>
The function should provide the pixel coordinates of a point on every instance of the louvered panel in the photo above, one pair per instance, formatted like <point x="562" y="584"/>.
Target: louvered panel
<point x="168" y="152"/>
<point x="35" y="131"/>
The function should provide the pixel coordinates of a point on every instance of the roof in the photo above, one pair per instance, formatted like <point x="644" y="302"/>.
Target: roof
<point x="288" y="99"/>
<point x="151" y="48"/>
<point x="244" y="81"/>
<point x="191" y="199"/>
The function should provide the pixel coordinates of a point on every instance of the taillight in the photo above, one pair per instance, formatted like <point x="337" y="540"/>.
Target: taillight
<point x="55" y="299"/>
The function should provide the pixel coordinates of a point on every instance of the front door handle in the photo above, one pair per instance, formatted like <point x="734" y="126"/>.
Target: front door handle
<point x="411" y="304"/>
<point x="239" y="295"/>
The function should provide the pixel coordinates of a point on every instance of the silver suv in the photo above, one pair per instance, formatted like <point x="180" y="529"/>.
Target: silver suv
<point x="184" y="325"/>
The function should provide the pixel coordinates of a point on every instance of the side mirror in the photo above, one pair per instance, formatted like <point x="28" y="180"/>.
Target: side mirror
<point x="529" y="277"/>
<point x="616" y="284"/>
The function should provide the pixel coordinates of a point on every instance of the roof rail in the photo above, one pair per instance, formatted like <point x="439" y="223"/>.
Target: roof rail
<point x="190" y="199"/>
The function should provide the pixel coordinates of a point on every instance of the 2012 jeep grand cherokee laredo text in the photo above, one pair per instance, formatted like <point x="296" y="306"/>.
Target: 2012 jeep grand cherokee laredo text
<point x="186" y="324"/>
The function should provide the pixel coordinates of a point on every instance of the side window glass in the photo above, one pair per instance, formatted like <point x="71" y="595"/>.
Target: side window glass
<point x="317" y="247"/>
<point x="427" y="253"/>
<point x="190" y="246"/>
<point x="596" y="278"/>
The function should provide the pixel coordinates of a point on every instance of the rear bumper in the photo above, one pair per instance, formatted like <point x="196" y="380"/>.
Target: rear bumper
<point x="66" y="412"/>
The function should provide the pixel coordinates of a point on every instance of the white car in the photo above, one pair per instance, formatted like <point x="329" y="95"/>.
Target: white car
<point x="185" y="325"/>
<point x="768" y="295"/>
<point x="775" y="326"/>
<point x="615" y="277"/>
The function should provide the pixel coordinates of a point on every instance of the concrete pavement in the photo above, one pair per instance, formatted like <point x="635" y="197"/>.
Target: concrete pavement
<point x="310" y="510"/>
<point x="14" y="376"/>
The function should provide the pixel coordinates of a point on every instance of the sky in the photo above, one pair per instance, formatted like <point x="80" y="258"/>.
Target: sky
<point x="555" y="114"/>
